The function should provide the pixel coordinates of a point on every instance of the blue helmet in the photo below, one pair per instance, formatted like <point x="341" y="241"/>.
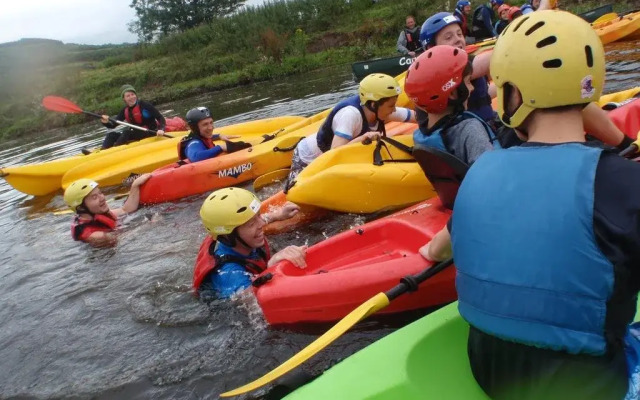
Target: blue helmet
<point x="462" y="4"/>
<point x="498" y="2"/>
<point x="435" y="24"/>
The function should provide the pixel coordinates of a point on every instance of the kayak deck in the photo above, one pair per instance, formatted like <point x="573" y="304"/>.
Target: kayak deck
<point x="424" y="360"/>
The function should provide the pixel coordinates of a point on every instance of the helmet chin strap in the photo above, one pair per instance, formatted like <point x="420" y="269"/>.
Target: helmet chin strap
<point x="374" y="108"/>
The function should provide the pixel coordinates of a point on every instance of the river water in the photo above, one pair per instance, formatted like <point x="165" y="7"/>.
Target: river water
<point x="80" y="323"/>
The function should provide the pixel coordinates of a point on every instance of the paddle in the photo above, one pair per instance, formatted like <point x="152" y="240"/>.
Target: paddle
<point x="60" y="104"/>
<point x="269" y="178"/>
<point x="374" y="304"/>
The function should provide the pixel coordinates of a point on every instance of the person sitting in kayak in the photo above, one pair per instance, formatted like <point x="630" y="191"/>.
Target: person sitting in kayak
<point x="484" y="17"/>
<point x="237" y="246"/>
<point x="198" y="144"/>
<point x="503" y="18"/>
<point x="546" y="235"/>
<point x="439" y="83"/>
<point x="136" y="112"/>
<point x="462" y="11"/>
<point x="444" y="29"/>
<point x="353" y="120"/>
<point x="530" y="6"/>
<point x="409" y="39"/>
<point x="94" y="221"/>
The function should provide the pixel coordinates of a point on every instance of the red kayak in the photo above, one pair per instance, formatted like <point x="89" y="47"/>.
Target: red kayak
<point x="344" y="271"/>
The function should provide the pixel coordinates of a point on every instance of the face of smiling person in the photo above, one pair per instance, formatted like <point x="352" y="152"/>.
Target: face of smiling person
<point x="96" y="203"/>
<point x="410" y="22"/>
<point x="130" y="98"/>
<point x="451" y="35"/>
<point x="205" y="127"/>
<point x="251" y="232"/>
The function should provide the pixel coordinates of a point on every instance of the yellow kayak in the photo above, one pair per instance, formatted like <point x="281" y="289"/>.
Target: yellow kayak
<point x="46" y="177"/>
<point x="113" y="169"/>
<point x="618" y="28"/>
<point x="345" y="179"/>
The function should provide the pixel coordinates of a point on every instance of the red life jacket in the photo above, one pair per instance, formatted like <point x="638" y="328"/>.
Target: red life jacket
<point x="81" y="230"/>
<point x="182" y="144"/>
<point x="206" y="263"/>
<point x="133" y="115"/>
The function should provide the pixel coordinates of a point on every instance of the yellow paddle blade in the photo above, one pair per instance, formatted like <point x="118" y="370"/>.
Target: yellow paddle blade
<point x="605" y="18"/>
<point x="372" y="305"/>
<point x="267" y="179"/>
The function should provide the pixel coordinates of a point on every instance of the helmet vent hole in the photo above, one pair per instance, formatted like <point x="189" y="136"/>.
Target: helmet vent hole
<point x="213" y="197"/>
<point x="416" y="67"/>
<point x="429" y="54"/>
<point x="84" y="187"/>
<point x="434" y="97"/>
<point x="534" y="28"/>
<point x="555" y="63"/>
<point x="241" y="209"/>
<point x="455" y="52"/>
<point x="520" y="23"/>
<point x="224" y="197"/>
<point x="546" y="42"/>
<point x="589" y="54"/>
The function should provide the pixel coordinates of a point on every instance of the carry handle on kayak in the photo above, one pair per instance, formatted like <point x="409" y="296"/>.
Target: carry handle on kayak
<point x="633" y="147"/>
<point x="60" y="104"/>
<point x="376" y="303"/>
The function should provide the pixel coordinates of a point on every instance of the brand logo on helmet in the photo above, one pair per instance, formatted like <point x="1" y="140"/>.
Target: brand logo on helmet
<point x="255" y="206"/>
<point x="235" y="171"/>
<point x="449" y="19"/>
<point x="448" y="85"/>
<point x="586" y="87"/>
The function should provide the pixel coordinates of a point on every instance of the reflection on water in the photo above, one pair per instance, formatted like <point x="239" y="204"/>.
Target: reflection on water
<point x="122" y="323"/>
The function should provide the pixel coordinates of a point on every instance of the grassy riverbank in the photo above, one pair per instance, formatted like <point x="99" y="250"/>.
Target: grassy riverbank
<point x="260" y="43"/>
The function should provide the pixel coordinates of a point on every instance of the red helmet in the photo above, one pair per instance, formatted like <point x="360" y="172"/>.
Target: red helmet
<point x="504" y="7"/>
<point x="512" y="11"/>
<point x="434" y="75"/>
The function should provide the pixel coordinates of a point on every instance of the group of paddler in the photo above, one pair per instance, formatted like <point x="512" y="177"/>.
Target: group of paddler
<point x="545" y="231"/>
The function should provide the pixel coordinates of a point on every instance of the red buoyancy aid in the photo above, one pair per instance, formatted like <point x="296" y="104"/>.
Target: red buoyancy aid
<point x="81" y="230"/>
<point x="207" y="263"/>
<point x="133" y="115"/>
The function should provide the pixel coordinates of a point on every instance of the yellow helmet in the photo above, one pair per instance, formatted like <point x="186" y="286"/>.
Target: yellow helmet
<point x="378" y="86"/>
<point x="76" y="192"/>
<point x="226" y="209"/>
<point x="553" y="57"/>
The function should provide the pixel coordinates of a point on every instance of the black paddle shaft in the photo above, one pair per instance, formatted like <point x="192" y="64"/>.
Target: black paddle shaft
<point x="410" y="283"/>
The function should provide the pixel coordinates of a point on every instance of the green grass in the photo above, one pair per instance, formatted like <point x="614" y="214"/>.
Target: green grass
<point x="260" y="43"/>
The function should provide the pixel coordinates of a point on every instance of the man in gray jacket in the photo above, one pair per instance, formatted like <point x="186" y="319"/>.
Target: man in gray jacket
<point x="409" y="39"/>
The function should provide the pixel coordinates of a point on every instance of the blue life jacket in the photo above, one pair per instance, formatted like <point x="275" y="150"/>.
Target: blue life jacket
<point x="526" y="9"/>
<point x="325" y="134"/>
<point x="437" y="138"/>
<point x="479" y="101"/>
<point x="529" y="268"/>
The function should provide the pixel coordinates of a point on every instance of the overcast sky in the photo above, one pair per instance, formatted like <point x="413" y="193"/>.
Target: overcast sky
<point x="72" y="21"/>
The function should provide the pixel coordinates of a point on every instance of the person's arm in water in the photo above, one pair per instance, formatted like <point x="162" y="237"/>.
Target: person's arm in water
<point x="102" y="239"/>
<point x="133" y="201"/>
<point x="439" y="248"/>
<point x="401" y="45"/>
<point x="598" y="124"/>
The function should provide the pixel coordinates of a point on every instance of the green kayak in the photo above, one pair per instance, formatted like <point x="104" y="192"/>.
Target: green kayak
<point x="424" y="360"/>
